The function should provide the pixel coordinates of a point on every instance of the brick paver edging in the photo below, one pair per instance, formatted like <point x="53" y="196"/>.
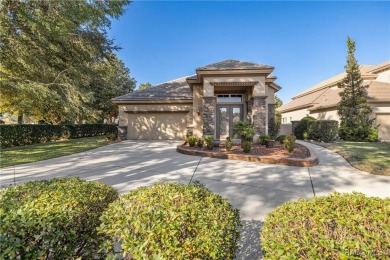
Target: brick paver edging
<point x="307" y="162"/>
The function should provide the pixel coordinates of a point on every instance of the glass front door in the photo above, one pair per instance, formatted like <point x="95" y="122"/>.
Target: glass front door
<point x="227" y="115"/>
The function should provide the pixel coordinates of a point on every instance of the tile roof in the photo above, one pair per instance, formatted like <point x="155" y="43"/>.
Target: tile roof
<point x="234" y="65"/>
<point x="177" y="89"/>
<point x="378" y="90"/>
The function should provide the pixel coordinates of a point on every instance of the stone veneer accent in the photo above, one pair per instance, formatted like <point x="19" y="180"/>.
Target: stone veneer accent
<point x="271" y="118"/>
<point x="209" y="115"/>
<point x="122" y="132"/>
<point x="259" y="115"/>
<point x="249" y="104"/>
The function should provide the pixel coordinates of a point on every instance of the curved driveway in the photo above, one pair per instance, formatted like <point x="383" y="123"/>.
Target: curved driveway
<point x="253" y="188"/>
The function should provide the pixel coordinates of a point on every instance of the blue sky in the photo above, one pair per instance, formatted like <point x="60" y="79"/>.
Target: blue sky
<point x="304" y="41"/>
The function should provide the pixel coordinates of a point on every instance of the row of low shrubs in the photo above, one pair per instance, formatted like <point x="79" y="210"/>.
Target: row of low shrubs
<point x="71" y="218"/>
<point x="18" y="135"/>
<point x="322" y="130"/>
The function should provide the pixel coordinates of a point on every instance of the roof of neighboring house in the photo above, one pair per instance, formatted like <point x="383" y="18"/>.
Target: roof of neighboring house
<point x="234" y="65"/>
<point x="177" y="89"/>
<point x="378" y="90"/>
<point x="325" y="94"/>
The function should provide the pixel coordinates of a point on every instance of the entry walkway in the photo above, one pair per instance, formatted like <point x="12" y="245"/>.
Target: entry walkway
<point x="253" y="188"/>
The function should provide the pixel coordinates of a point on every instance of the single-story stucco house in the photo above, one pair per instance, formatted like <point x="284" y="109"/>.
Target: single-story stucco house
<point x="321" y="100"/>
<point x="206" y="103"/>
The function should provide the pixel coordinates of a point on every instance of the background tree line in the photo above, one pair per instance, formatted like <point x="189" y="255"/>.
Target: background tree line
<point x="57" y="62"/>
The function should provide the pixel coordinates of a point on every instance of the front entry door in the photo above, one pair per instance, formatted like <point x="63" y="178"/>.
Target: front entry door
<point x="227" y="115"/>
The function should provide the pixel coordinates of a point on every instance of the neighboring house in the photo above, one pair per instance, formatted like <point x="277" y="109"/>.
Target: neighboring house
<point x="207" y="103"/>
<point x="321" y="100"/>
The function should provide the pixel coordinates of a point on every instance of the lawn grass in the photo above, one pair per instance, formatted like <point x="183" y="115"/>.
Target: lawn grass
<point x="44" y="151"/>
<point x="373" y="158"/>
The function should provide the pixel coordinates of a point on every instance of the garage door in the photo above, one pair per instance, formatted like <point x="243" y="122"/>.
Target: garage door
<point x="157" y="126"/>
<point x="384" y="128"/>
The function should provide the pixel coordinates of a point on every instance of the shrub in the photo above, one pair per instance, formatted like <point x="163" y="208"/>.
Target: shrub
<point x="54" y="219"/>
<point x="264" y="138"/>
<point x="338" y="226"/>
<point x="209" y="142"/>
<point x="172" y="221"/>
<point x="305" y="135"/>
<point x="112" y="136"/>
<point x="289" y="143"/>
<point x="302" y="126"/>
<point x="192" y="140"/>
<point x="200" y="143"/>
<point x="324" y="130"/>
<point x="359" y="134"/>
<point x="18" y="135"/>
<point x="281" y="138"/>
<point x="244" y="129"/>
<point x="247" y="146"/>
<point x="228" y="144"/>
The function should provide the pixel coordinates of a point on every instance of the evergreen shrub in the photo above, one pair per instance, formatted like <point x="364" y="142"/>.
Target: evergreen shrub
<point x="192" y="140"/>
<point x="302" y="126"/>
<point x="171" y="221"/>
<point x="324" y="130"/>
<point x="289" y="143"/>
<point x="337" y="226"/>
<point x="19" y="135"/>
<point x="54" y="219"/>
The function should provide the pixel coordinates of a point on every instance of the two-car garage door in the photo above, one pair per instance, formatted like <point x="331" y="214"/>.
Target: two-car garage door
<point x="157" y="126"/>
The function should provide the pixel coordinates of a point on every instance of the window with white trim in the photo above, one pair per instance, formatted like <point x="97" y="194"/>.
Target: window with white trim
<point x="229" y="98"/>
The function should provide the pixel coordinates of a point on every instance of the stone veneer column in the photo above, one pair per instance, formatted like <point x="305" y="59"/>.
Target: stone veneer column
<point x="271" y="118"/>
<point x="249" y="104"/>
<point x="259" y="116"/>
<point x="209" y="115"/>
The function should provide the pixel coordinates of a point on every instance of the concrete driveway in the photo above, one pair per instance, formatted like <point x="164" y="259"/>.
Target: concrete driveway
<point x="253" y="188"/>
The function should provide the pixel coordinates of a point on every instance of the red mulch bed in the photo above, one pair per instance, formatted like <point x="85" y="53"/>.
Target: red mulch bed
<point x="300" y="151"/>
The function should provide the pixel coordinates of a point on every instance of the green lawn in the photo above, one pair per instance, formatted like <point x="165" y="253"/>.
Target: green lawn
<point x="369" y="157"/>
<point x="39" y="152"/>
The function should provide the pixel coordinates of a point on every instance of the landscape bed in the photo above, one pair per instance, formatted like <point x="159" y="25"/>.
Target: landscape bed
<point x="259" y="153"/>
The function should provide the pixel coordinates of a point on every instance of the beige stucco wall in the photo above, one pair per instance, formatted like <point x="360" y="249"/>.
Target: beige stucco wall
<point x="197" y="104"/>
<point x="258" y="90"/>
<point x="294" y="115"/>
<point x="384" y="76"/>
<point x="325" y="114"/>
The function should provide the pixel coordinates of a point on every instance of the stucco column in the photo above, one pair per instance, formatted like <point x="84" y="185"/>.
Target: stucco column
<point x="209" y="115"/>
<point x="259" y="116"/>
<point x="271" y="118"/>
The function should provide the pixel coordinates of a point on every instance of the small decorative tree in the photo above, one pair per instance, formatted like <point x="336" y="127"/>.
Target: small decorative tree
<point x="355" y="115"/>
<point x="245" y="130"/>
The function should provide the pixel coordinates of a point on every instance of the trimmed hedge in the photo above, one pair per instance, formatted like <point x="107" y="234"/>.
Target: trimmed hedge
<point x="302" y="127"/>
<point x="172" y="221"/>
<point x="324" y="130"/>
<point x="18" y="135"/>
<point x="54" y="219"/>
<point x="338" y="226"/>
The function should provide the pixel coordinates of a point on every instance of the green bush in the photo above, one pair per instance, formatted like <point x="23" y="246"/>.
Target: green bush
<point x="264" y="138"/>
<point x="172" y="221"/>
<point x="305" y="135"/>
<point x="18" y="135"/>
<point x="200" y="143"/>
<point x="338" y="226"/>
<point x="289" y="143"/>
<point x="324" y="130"/>
<point x="54" y="219"/>
<point x="280" y="138"/>
<point x="192" y="140"/>
<point x="244" y="129"/>
<point x="112" y="136"/>
<point x="247" y="146"/>
<point x="228" y="144"/>
<point x="209" y="142"/>
<point x="302" y="126"/>
<point x="359" y="134"/>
